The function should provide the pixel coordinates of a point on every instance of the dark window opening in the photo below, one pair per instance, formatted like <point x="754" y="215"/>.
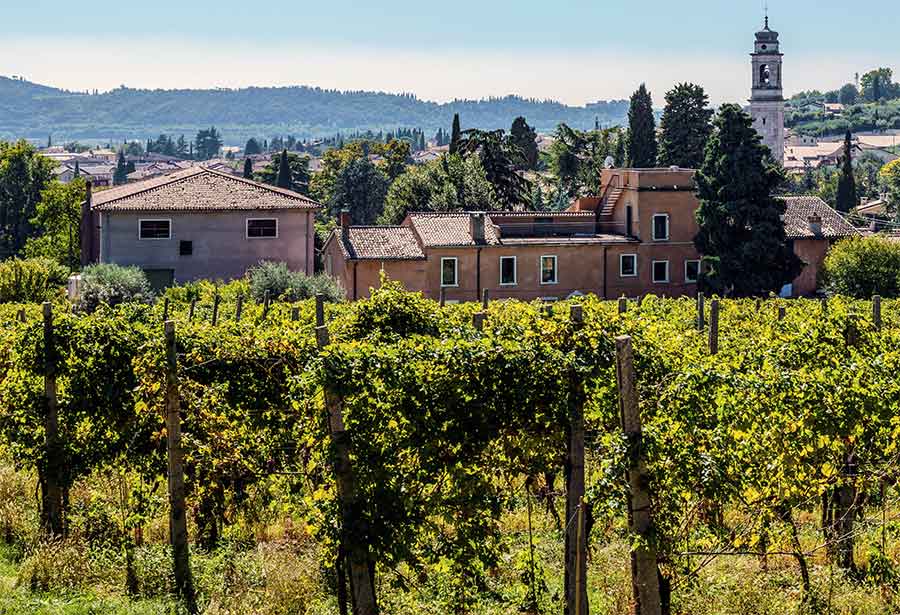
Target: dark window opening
<point x="155" y="229"/>
<point x="186" y="248"/>
<point x="262" y="227"/>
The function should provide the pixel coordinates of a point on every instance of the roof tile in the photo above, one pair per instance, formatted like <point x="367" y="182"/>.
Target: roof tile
<point x="380" y="243"/>
<point x="800" y="208"/>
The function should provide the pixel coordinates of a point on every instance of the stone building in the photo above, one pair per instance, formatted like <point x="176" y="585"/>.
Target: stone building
<point x="767" y="98"/>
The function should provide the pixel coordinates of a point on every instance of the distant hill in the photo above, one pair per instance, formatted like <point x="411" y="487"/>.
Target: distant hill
<point x="35" y="111"/>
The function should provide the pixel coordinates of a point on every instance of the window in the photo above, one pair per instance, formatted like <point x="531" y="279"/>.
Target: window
<point x="628" y="265"/>
<point x="185" y="248"/>
<point x="507" y="270"/>
<point x="548" y="270"/>
<point x="660" y="272"/>
<point x="448" y="272"/>
<point x="660" y="227"/>
<point x="154" y="229"/>
<point x="260" y="228"/>
<point x="691" y="271"/>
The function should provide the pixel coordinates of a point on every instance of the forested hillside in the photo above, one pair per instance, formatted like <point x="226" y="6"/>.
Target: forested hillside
<point x="35" y="111"/>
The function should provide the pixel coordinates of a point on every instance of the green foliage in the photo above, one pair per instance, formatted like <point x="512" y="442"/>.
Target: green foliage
<point x="361" y="188"/>
<point x="24" y="174"/>
<point x="500" y="159"/>
<point x="741" y="233"/>
<point x="110" y="284"/>
<point x="890" y="177"/>
<point x="120" y="175"/>
<point x="685" y="127"/>
<point x="455" y="135"/>
<point x="207" y="144"/>
<point x="524" y="137"/>
<point x="642" y="147"/>
<point x="863" y="266"/>
<point x="846" y="198"/>
<point x="252" y="148"/>
<point x="451" y="183"/>
<point x="58" y="222"/>
<point x="31" y="280"/>
<point x="577" y="158"/>
<point x="282" y="283"/>
<point x="295" y="177"/>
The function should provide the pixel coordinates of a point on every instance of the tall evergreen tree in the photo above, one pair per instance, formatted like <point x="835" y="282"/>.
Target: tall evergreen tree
<point x="642" y="147"/>
<point x="77" y="171"/>
<point x="248" y="168"/>
<point x="685" y="127"/>
<point x="847" y="197"/>
<point x="619" y="153"/>
<point x="524" y="137"/>
<point x="120" y="175"/>
<point x="455" y="135"/>
<point x="284" y="172"/>
<point x="741" y="235"/>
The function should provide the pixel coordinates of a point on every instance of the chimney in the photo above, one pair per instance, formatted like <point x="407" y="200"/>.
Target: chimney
<point x="476" y="227"/>
<point x="815" y="224"/>
<point x="344" y="223"/>
<point x="87" y="226"/>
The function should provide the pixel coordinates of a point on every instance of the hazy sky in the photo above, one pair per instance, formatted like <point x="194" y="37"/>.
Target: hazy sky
<point x="570" y="50"/>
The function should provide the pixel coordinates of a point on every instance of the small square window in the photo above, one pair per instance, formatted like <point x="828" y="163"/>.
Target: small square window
<point x="259" y="228"/>
<point x="449" y="272"/>
<point x="548" y="270"/>
<point x="691" y="271"/>
<point x="507" y="270"/>
<point x="628" y="265"/>
<point x="661" y="227"/>
<point x="185" y="248"/>
<point x="660" y="272"/>
<point x="155" y="229"/>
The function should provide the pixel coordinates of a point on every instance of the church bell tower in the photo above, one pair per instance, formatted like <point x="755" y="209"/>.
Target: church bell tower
<point x="767" y="99"/>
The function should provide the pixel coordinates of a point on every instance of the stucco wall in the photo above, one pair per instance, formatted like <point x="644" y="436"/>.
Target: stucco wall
<point x="812" y="252"/>
<point x="221" y="249"/>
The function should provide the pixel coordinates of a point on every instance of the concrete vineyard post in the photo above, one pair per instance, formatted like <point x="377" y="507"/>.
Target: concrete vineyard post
<point x="443" y="297"/>
<point x="478" y="320"/>
<point x="239" y="308"/>
<point x="178" y="533"/>
<point x="192" y="309"/>
<point x="485" y="298"/>
<point x="320" y="310"/>
<point x="876" y="311"/>
<point x="644" y="567"/>
<point x="576" y="538"/>
<point x="714" y="327"/>
<point x="623" y="305"/>
<point x="701" y="312"/>
<point x="215" y="312"/>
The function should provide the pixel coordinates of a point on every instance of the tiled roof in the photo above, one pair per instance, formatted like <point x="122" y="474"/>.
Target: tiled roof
<point x="199" y="189"/>
<point x="449" y="229"/>
<point x="379" y="243"/>
<point x="800" y="208"/>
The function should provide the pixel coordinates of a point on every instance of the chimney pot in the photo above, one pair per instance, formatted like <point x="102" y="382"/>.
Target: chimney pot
<point x="815" y="224"/>
<point x="344" y="219"/>
<point x="476" y="223"/>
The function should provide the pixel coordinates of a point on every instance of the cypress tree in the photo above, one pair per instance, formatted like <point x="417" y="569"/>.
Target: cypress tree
<point x="248" y="169"/>
<point x="685" y="127"/>
<point x="741" y="235"/>
<point x="455" y="135"/>
<point x="847" y="197"/>
<point x="642" y="147"/>
<point x="619" y="153"/>
<point x="284" y="172"/>
<point x="77" y="172"/>
<point x="120" y="176"/>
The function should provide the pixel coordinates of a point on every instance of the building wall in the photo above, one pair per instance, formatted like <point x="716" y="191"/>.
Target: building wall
<point x="221" y="249"/>
<point x="812" y="252"/>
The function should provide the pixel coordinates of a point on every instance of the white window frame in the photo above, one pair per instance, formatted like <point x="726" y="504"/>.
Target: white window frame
<point x="621" y="270"/>
<point x="555" y="270"/>
<point x="686" y="279"/>
<point x="247" y="228"/>
<point x="455" y="272"/>
<point x="142" y="220"/>
<point x="653" y="227"/>
<point x="653" y="272"/>
<point x="515" y="261"/>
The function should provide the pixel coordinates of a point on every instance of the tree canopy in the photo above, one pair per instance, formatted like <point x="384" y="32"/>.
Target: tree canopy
<point x="685" y="127"/>
<point x="642" y="147"/>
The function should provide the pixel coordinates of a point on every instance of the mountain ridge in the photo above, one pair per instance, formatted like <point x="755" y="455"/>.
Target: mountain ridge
<point x="34" y="111"/>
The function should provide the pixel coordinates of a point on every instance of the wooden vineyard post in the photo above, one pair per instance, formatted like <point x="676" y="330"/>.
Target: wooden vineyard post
<point x="714" y="327"/>
<point x="576" y="538"/>
<point x="52" y="500"/>
<point x="354" y="541"/>
<point x="782" y="312"/>
<point x="192" y="309"/>
<point x="478" y="320"/>
<point x="443" y="297"/>
<point x="644" y="568"/>
<point x="178" y="534"/>
<point x="623" y="305"/>
<point x="320" y="310"/>
<point x="876" y="311"/>
<point x="215" y="314"/>
<point x="21" y="315"/>
<point x="701" y="312"/>
<point x="239" y="308"/>
<point x="485" y="298"/>
<point x="295" y="314"/>
<point x="166" y="310"/>
<point x="265" y="306"/>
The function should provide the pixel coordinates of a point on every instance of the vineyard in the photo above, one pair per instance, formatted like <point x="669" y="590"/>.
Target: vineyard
<point x="470" y="458"/>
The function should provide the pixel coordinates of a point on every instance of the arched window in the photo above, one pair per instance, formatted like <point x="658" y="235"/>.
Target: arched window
<point x="765" y="75"/>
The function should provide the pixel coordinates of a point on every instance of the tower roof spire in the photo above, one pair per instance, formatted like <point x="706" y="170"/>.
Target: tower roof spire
<point x="766" y="5"/>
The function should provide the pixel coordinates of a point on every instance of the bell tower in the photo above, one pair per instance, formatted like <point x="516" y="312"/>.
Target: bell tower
<point x="767" y="98"/>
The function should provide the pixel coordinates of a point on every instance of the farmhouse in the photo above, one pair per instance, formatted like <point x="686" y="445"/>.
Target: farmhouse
<point x="198" y="223"/>
<point x="634" y="239"/>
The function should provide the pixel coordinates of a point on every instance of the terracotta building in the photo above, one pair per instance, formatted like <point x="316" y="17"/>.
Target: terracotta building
<point x="635" y="238"/>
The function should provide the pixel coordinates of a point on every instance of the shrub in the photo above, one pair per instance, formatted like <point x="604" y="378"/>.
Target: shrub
<point x="282" y="283"/>
<point x="863" y="266"/>
<point x="32" y="280"/>
<point x="111" y="285"/>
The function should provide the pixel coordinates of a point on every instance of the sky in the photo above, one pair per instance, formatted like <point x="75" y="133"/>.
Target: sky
<point x="574" y="51"/>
